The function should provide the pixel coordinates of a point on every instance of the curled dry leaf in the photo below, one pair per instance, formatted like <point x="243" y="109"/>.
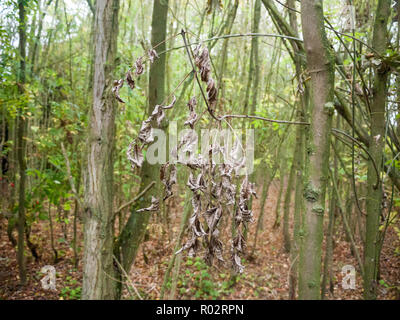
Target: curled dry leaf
<point x="194" y="222"/>
<point x="195" y="225"/>
<point x="139" y="69"/>
<point x="117" y="86"/>
<point x="193" y="244"/>
<point x="227" y="187"/>
<point x="158" y="113"/>
<point x="155" y="205"/>
<point x="146" y="132"/>
<point x="213" y="215"/>
<point x="211" y="92"/>
<point x="214" y="249"/>
<point x="192" y="115"/>
<point x="238" y="247"/>
<point x="188" y="141"/>
<point x="237" y="264"/>
<point x="152" y="55"/>
<point x="202" y="61"/>
<point x="239" y="243"/>
<point x="130" y="80"/>
<point x="198" y="162"/>
<point x="168" y="178"/>
<point x="196" y="184"/>
<point x="134" y="154"/>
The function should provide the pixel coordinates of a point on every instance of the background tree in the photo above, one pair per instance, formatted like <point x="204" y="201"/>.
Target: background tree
<point x="21" y="144"/>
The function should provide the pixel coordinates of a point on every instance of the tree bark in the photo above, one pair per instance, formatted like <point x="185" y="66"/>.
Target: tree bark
<point x="21" y="144"/>
<point x="376" y="146"/>
<point x="98" y="266"/>
<point x="320" y="65"/>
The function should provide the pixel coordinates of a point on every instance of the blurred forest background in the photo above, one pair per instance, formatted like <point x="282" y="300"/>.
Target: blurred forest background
<point x="320" y="86"/>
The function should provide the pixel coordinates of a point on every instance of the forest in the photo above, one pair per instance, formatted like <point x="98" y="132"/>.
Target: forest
<point x="200" y="150"/>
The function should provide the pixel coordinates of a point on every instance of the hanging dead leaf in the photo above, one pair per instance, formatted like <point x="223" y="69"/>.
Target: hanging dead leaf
<point x="146" y="132"/>
<point x="155" y="205"/>
<point x="152" y="55"/>
<point x="139" y="69"/>
<point x="130" y="80"/>
<point x="117" y="86"/>
<point x="134" y="154"/>
<point x="192" y="115"/>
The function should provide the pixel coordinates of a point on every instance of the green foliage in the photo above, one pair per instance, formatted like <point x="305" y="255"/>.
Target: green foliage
<point x="200" y="282"/>
<point x="71" y="291"/>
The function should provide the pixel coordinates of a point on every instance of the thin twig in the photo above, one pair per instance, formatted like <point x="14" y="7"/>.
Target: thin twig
<point x="127" y="277"/>
<point x="135" y="198"/>
<point x="237" y="35"/>
<point x="176" y="88"/>
<point x="210" y="111"/>
<point x="365" y="149"/>
<point x="263" y="119"/>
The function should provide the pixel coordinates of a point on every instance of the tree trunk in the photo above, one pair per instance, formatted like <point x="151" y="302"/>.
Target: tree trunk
<point x="376" y="145"/>
<point x="21" y="144"/>
<point x="135" y="228"/>
<point x="98" y="267"/>
<point x="320" y="64"/>
<point x="286" y="206"/>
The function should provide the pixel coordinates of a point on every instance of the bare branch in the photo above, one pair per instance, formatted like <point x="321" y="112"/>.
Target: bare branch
<point x="135" y="199"/>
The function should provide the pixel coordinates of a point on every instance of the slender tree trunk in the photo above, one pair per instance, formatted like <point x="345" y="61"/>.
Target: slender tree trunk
<point x="320" y="64"/>
<point x="53" y="247"/>
<point x="253" y="59"/>
<point x="329" y="244"/>
<point x="376" y="145"/>
<point x="230" y="20"/>
<point x="286" y="206"/>
<point x="21" y="144"/>
<point x="135" y="228"/>
<point x="298" y="158"/>
<point x="254" y="45"/>
<point x="278" y="206"/>
<point x="98" y="269"/>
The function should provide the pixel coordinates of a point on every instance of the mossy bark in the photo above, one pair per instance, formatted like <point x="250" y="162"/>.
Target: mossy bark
<point x="376" y="146"/>
<point x="320" y="65"/>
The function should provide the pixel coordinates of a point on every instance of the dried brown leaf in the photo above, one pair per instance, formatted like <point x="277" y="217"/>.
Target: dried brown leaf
<point x="134" y="154"/>
<point x="117" y="86"/>
<point x="152" y="55"/>
<point x="130" y="80"/>
<point x="139" y="68"/>
<point x="155" y="205"/>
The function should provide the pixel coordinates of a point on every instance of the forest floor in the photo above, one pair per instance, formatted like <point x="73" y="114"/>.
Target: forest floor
<point x="265" y="275"/>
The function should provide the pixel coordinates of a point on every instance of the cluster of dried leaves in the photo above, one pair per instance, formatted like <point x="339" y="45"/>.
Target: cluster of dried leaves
<point x="129" y="77"/>
<point x="213" y="185"/>
<point x="214" y="197"/>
